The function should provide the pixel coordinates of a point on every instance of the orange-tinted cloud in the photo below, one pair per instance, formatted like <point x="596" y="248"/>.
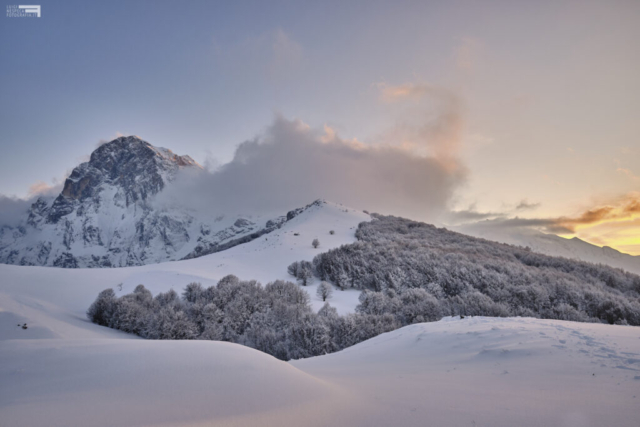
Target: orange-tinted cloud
<point x="615" y="223"/>
<point x="38" y="188"/>
<point x="439" y="134"/>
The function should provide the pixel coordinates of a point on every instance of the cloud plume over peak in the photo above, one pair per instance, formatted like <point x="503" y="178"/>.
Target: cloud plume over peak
<point x="292" y="164"/>
<point x="13" y="210"/>
<point x="437" y="132"/>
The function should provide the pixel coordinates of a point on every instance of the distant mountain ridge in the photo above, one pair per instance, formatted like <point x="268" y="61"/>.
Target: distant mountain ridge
<point x="103" y="216"/>
<point x="553" y="245"/>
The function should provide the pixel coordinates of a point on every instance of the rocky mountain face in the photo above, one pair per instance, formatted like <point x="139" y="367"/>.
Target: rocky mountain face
<point x="104" y="217"/>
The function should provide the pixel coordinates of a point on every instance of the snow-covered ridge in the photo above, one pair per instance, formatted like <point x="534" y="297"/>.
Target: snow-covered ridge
<point x="170" y="156"/>
<point x="550" y="244"/>
<point x="104" y="215"/>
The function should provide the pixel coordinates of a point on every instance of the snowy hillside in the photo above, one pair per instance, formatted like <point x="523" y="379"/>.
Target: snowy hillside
<point x="475" y="371"/>
<point x="63" y="370"/>
<point x="264" y="259"/>
<point x="491" y="372"/>
<point x="553" y="245"/>
<point x="105" y="215"/>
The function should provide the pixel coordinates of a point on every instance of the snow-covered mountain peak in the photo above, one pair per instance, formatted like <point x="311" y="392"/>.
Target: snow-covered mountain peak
<point x="105" y="216"/>
<point x="134" y="146"/>
<point x="125" y="171"/>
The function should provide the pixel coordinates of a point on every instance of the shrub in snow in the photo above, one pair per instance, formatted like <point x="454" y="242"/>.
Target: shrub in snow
<point x="315" y="243"/>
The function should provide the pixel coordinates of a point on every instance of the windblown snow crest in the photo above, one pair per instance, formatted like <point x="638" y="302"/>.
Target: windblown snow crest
<point x="103" y="217"/>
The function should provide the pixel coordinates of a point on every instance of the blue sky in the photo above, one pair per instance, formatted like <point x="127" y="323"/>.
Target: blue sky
<point x="548" y="91"/>
<point x="194" y="76"/>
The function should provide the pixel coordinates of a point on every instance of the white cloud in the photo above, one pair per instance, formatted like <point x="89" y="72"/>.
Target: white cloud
<point x="291" y="165"/>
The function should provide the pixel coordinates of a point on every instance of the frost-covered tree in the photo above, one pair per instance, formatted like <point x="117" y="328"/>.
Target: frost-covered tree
<point x="286" y="292"/>
<point x="101" y="310"/>
<point x="169" y="298"/>
<point x="324" y="291"/>
<point x="302" y="270"/>
<point x="292" y="269"/>
<point x="315" y="243"/>
<point x="192" y="292"/>
<point x="305" y="273"/>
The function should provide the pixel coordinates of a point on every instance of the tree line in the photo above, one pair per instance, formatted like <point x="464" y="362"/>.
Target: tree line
<point x="398" y="262"/>
<point x="276" y="319"/>
<point x="409" y="272"/>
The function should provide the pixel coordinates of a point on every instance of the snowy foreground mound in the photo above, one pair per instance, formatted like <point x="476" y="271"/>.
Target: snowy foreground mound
<point x="472" y="371"/>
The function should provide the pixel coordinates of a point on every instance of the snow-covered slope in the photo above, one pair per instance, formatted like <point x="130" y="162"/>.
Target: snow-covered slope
<point x="264" y="259"/>
<point x="480" y="371"/>
<point x="551" y="244"/>
<point x="121" y="382"/>
<point x="105" y="215"/>
<point x="492" y="372"/>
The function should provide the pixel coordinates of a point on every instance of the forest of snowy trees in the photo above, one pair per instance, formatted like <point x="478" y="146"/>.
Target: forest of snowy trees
<point x="401" y="264"/>
<point x="276" y="318"/>
<point x="409" y="272"/>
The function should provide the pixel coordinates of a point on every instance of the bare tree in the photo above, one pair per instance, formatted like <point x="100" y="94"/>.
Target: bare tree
<point x="315" y="243"/>
<point x="305" y="273"/>
<point x="324" y="291"/>
<point x="293" y="268"/>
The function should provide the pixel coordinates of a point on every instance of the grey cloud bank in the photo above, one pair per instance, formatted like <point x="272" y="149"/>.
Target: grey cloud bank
<point x="291" y="165"/>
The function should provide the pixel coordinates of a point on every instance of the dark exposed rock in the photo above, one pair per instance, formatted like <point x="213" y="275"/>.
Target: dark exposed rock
<point x="66" y="260"/>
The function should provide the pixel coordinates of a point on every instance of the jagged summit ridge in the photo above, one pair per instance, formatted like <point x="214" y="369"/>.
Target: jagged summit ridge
<point x="131" y="166"/>
<point x="127" y="147"/>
